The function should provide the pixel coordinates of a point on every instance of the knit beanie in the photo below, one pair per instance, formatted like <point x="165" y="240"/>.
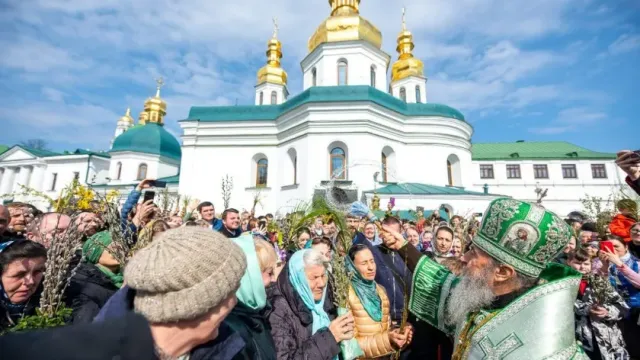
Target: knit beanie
<point x="95" y="246"/>
<point x="184" y="274"/>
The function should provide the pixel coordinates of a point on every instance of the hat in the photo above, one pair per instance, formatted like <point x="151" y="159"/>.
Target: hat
<point x="523" y="235"/>
<point x="184" y="274"/>
<point x="590" y="226"/>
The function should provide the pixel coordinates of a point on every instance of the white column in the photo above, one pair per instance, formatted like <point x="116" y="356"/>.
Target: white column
<point x="7" y="181"/>
<point x="37" y="177"/>
<point x="1" y="176"/>
<point x="25" y="176"/>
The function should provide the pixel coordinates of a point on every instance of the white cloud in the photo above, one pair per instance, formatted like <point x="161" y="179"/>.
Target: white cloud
<point x="570" y="120"/>
<point x="625" y="43"/>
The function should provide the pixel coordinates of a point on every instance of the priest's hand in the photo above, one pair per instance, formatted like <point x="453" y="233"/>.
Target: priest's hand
<point x="392" y="239"/>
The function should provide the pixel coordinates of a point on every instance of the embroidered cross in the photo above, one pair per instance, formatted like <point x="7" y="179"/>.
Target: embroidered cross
<point x="500" y="351"/>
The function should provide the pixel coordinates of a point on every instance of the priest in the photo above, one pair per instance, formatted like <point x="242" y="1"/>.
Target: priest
<point x="511" y="301"/>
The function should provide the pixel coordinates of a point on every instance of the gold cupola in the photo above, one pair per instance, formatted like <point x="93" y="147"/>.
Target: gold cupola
<point x="273" y="72"/>
<point x="154" y="108"/>
<point x="126" y="119"/>
<point x="345" y="24"/>
<point x="406" y="65"/>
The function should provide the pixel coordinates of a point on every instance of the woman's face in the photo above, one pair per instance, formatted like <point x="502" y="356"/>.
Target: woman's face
<point x="369" y="231"/>
<point x="324" y="249"/>
<point x="317" y="279"/>
<point x="427" y="236"/>
<point x="635" y="234"/>
<point x="413" y="237"/>
<point x="571" y="245"/>
<point x="455" y="222"/>
<point x="268" y="276"/>
<point x="302" y="240"/>
<point x="456" y="247"/>
<point x="365" y="264"/>
<point x="21" y="278"/>
<point x="619" y="248"/>
<point x="444" y="239"/>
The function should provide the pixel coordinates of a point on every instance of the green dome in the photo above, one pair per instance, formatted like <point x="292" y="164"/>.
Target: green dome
<point x="149" y="139"/>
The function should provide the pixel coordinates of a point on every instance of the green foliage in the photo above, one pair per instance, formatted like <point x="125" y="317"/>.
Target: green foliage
<point x="41" y="321"/>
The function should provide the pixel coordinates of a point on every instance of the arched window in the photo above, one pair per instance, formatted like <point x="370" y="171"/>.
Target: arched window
<point x="295" y="170"/>
<point x="291" y="169"/>
<point x="142" y="172"/>
<point x="343" y="72"/>
<point x="449" y="173"/>
<point x="118" y="170"/>
<point x="418" y="94"/>
<point x="314" y="77"/>
<point x="261" y="172"/>
<point x="373" y="76"/>
<point x="388" y="164"/>
<point x="338" y="164"/>
<point x="384" y="167"/>
<point x="454" y="174"/>
<point x="274" y="98"/>
<point x="261" y="97"/>
<point x="403" y="94"/>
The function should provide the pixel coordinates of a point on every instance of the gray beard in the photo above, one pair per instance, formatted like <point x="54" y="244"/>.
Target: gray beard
<point x="471" y="294"/>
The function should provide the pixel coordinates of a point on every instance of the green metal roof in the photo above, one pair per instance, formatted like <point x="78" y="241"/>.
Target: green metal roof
<point x="32" y="151"/>
<point x="410" y="214"/>
<point x="552" y="150"/>
<point x="150" y="138"/>
<point x="422" y="189"/>
<point x="89" y="152"/>
<point x="320" y="94"/>
<point x="3" y="149"/>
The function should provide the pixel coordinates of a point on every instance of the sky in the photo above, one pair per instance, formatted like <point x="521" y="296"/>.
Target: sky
<point x="543" y="70"/>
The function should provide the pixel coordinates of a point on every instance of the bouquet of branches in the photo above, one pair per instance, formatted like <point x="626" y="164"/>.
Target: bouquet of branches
<point x="603" y="292"/>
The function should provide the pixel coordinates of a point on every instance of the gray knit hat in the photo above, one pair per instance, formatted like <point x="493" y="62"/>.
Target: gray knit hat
<point x="184" y="274"/>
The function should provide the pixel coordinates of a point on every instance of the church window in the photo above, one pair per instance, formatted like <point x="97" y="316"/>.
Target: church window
<point x="274" y="98"/>
<point x="261" y="172"/>
<point x="540" y="171"/>
<point x="261" y="97"/>
<point x="569" y="172"/>
<point x="295" y="170"/>
<point x="403" y="94"/>
<point x="338" y="164"/>
<point x="384" y="167"/>
<point x="54" y="179"/>
<point x="513" y="172"/>
<point x="449" y="173"/>
<point x="118" y="170"/>
<point x="142" y="172"/>
<point x="373" y="76"/>
<point x="418" y="94"/>
<point x="343" y="72"/>
<point x="486" y="171"/>
<point x="314" y="77"/>
<point x="598" y="171"/>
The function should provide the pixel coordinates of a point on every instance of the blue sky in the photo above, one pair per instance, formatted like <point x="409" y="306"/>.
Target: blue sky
<point x="540" y="70"/>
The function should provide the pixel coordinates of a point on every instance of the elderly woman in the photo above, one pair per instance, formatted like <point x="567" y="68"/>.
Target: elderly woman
<point x="370" y="306"/>
<point x="370" y="233"/>
<point x="301" y="324"/>
<point x="95" y="280"/>
<point x="248" y="317"/>
<point x="22" y="264"/>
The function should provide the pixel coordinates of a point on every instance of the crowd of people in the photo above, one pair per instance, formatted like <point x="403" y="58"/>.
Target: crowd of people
<point x="198" y="285"/>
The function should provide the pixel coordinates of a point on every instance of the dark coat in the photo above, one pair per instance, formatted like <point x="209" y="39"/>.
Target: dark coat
<point x="292" y="323"/>
<point x="8" y="320"/>
<point x="226" y="346"/>
<point x="255" y="330"/>
<point x="125" y="338"/>
<point x="88" y="291"/>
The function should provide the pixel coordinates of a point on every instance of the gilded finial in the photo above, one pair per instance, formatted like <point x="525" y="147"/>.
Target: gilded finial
<point x="159" y="84"/>
<point x="128" y="113"/>
<point x="275" y="28"/>
<point x="404" y="22"/>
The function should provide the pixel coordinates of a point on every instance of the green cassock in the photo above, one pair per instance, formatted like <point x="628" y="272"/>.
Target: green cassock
<point x="537" y="325"/>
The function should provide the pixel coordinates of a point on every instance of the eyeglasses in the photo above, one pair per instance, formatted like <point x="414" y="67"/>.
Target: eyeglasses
<point x="635" y="231"/>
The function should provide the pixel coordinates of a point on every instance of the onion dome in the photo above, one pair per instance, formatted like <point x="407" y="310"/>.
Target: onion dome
<point x="273" y="72"/>
<point x="406" y="65"/>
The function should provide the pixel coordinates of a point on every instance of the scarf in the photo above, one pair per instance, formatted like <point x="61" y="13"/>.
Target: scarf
<point x="251" y="292"/>
<point x="13" y="310"/>
<point x="298" y="279"/>
<point x="365" y="291"/>
<point x="92" y="251"/>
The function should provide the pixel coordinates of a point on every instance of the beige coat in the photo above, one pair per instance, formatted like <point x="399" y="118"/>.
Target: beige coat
<point x="373" y="337"/>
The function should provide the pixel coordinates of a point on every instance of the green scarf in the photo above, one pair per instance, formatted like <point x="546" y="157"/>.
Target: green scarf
<point x="92" y="251"/>
<point x="366" y="292"/>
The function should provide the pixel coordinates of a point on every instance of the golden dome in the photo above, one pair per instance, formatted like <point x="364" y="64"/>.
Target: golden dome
<point x="406" y="65"/>
<point x="126" y="118"/>
<point x="155" y="108"/>
<point x="345" y="24"/>
<point x="273" y="72"/>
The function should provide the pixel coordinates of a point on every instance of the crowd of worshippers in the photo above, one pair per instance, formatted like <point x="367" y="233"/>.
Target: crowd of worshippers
<point x="209" y="286"/>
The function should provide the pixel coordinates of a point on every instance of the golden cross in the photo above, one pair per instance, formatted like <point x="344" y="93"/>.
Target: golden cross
<point x="404" y="23"/>
<point x="159" y="83"/>
<point x="275" y="28"/>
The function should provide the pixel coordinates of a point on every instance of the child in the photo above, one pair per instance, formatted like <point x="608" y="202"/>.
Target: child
<point x="596" y="324"/>
<point x="622" y="223"/>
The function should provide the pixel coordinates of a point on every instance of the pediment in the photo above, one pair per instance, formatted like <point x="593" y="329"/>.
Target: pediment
<point x="16" y="154"/>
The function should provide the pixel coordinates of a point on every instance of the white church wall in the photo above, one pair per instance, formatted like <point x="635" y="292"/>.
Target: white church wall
<point x="64" y="169"/>
<point x="129" y="164"/>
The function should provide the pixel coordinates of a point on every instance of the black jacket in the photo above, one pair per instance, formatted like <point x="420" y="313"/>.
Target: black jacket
<point x="292" y="323"/>
<point x="9" y="320"/>
<point x="255" y="330"/>
<point x="88" y="291"/>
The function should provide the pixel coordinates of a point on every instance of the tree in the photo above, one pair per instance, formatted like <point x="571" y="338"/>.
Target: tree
<point x="227" y="186"/>
<point x="38" y="144"/>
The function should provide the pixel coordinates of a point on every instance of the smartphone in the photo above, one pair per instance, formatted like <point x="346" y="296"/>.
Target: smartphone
<point x="606" y="246"/>
<point x="158" y="184"/>
<point x="148" y="195"/>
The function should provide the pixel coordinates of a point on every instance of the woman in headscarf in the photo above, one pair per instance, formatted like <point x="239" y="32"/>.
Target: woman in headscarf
<point x="441" y="244"/>
<point x="96" y="279"/>
<point x="370" y="306"/>
<point x="22" y="265"/>
<point x="248" y="318"/>
<point x="413" y="237"/>
<point x="301" y="324"/>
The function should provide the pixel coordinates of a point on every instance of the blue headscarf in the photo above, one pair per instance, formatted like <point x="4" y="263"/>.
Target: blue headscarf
<point x="251" y="292"/>
<point x="366" y="291"/>
<point x="298" y="279"/>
